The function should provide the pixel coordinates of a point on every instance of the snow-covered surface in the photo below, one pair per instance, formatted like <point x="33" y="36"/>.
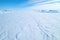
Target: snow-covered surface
<point x="30" y="24"/>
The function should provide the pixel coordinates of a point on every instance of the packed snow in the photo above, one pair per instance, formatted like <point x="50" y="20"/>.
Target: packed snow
<point x="30" y="23"/>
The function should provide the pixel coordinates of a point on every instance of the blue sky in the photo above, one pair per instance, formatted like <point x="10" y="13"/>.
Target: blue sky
<point x="11" y="3"/>
<point x="15" y="3"/>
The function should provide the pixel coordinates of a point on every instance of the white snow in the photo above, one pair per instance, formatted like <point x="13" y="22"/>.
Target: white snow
<point x="29" y="24"/>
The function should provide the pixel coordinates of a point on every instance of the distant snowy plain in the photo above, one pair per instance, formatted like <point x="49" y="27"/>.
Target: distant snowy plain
<point x="30" y="23"/>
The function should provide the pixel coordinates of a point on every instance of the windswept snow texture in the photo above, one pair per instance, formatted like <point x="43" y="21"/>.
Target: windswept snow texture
<point x="30" y="24"/>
